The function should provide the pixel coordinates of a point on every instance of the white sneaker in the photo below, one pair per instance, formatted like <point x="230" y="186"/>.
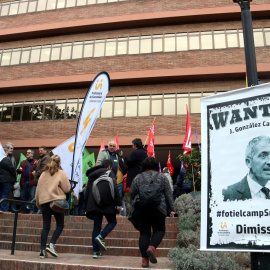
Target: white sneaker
<point x="51" y="250"/>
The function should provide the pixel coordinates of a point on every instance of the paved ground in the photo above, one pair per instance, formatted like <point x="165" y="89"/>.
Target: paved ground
<point x="110" y="262"/>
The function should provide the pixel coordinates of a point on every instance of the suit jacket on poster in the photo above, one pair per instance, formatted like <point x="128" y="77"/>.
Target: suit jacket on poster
<point x="239" y="191"/>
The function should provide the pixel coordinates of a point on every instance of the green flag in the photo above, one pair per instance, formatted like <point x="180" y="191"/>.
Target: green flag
<point x="22" y="157"/>
<point x="88" y="162"/>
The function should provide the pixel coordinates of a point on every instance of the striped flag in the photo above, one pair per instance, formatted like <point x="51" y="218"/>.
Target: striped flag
<point x="117" y="141"/>
<point x="151" y="141"/>
<point x="169" y="164"/>
<point x="187" y="140"/>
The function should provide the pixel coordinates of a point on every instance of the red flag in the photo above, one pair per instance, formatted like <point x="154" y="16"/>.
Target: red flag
<point x="187" y="141"/>
<point x="102" y="147"/>
<point x="117" y="141"/>
<point x="169" y="164"/>
<point x="151" y="140"/>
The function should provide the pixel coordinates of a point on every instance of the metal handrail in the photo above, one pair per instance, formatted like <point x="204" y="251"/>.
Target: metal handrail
<point x="16" y="211"/>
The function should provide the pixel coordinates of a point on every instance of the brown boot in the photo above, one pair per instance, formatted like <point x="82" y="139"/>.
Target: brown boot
<point x="145" y="262"/>
<point x="151" y="254"/>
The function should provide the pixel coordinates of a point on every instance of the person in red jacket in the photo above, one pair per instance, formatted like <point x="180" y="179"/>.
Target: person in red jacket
<point x="28" y="185"/>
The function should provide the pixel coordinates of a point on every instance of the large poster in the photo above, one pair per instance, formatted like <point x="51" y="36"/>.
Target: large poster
<point x="236" y="170"/>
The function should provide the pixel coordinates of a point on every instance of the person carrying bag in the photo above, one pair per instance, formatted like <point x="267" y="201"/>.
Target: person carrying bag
<point x="152" y="201"/>
<point x="52" y="187"/>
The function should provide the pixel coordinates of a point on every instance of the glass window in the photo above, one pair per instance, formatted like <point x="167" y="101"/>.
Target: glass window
<point x="62" y="3"/>
<point x="206" y="41"/>
<point x="182" y="42"/>
<point x="195" y="104"/>
<point x="102" y="1"/>
<point x="48" y="112"/>
<point x="16" y="113"/>
<point x="35" y="54"/>
<point x="157" y="43"/>
<point x="232" y="38"/>
<point x="27" y="111"/>
<point x="258" y="37"/>
<point x="241" y="38"/>
<point x="169" y="106"/>
<point x="41" y="5"/>
<point x="51" y="4"/>
<point x="146" y="46"/>
<point x="169" y="43"/>
<point x="32" y="6"/>
<point x="45" y="53"/>
<point x="219" y="39"/>
<point x="122" y="46"/>
<point x="156" y="108"/>
<point x="99" y="48"/>
<point x="25" y="56"/>
<point x="106" y="110"/>
<point x="71" y="3"/>
<point x="23" y="7"/>
<point x="59" y="111"/>
<point x="88" y="49"/>
<point x="181" y="105"/>
<point x="71" y="110"/>
<point x="4" y="10"/>
<point x="37" y="112"/>
<point x="119" y="108"/>
<point x="133" y="45"/>
<point x="131" y="108"/>
<point x="15" y="57"/>
<point x="55" y="53"/>
<point x="92" y="2"/>
<point x="81" y="2"/>
<point x="13" y="8"/>
<point x="6" y="55"/>
<point x="6" y="115"/>
<point x="144" y="107"/>
<point x="110" y="47"/>
<point x="267" y="36"/>
<point x="77" y="50"/>
<point x="66" y="51"/>
<point x="194" y="41"/>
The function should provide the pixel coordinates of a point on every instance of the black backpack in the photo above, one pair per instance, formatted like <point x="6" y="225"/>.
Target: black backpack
<point x="150" y="194"/>
<point x="103" y="189"/>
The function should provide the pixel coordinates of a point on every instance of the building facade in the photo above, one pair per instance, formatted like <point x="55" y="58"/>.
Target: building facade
<point x="160" y="55"/>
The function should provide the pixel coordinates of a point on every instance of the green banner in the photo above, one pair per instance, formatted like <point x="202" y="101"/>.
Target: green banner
<point x="22" y="157"/>
<point x="88" y="162"/>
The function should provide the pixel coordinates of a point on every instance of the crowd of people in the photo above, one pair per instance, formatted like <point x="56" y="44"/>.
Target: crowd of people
<point x="44" y="181"/>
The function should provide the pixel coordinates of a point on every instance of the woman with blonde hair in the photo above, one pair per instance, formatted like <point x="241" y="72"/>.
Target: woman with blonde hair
<point x="53" y="185"/>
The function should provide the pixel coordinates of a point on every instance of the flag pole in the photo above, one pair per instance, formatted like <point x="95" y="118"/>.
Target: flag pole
<point x="145" y="141"/>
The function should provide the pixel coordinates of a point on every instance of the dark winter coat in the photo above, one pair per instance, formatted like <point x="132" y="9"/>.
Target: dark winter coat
<point x="7" y="171"/>
<point x="41" y="164"/>
<point x="91" y="205"/>
<point x="167" y="204"/>
<point x="134" y="162"/>
<point x="30" y="175"/>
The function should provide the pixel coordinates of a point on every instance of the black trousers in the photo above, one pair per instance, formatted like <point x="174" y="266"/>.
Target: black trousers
<point x="47" y="213"/>
<point x="151" y="224"/>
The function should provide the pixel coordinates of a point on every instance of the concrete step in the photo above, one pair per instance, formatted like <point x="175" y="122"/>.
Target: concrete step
<point x="81" y="249"/>
<point x="82" y="233"/>
<point x="28" y="260"/>
<point x="86" y="240"/>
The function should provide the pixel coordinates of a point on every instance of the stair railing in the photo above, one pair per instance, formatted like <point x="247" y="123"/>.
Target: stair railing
<point x="16" y="211"/>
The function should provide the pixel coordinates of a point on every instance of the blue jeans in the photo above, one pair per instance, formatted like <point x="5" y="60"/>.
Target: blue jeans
<point x="97" y="217"/>
<point x="28" y="194"/>
<point x="4" y="192"/>
<point x="120" y="189"/>
<point x="47" y="213"/>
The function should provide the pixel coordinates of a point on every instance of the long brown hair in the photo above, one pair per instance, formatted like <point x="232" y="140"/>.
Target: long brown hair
<point x="53" y="165"/>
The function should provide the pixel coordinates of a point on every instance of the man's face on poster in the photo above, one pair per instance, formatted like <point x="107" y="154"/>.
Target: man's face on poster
<point x="259" y="164"/>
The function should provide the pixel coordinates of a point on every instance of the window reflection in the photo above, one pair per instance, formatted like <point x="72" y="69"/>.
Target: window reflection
<point x="6" y="115"/>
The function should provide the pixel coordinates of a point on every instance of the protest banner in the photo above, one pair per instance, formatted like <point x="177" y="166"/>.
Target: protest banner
<point x="235" y="170"/>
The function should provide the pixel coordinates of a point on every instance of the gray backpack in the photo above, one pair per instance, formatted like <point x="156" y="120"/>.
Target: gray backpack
<point x="101" y="196"/>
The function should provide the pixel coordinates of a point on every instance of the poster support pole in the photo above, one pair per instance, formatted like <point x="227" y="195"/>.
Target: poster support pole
<point x="259" y="261"/>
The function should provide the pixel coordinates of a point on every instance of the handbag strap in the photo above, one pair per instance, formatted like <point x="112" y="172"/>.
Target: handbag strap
<point x="29" y="165"/>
